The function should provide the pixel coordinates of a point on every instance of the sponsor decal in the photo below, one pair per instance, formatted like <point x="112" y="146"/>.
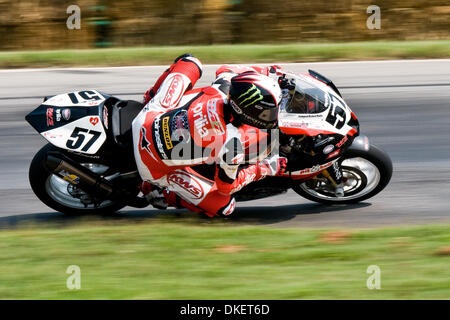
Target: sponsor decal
<point x="158" y="139"/>
<point x="49" y="116"/>
<point x="315" y="168"/>
<point x="334" y="154"/>
<point x="174" y="91"/>
<point x="145" y="144"/>
<point x="251" y="96"/>
<point x="73" y="179"/>
<point x="256" y="123"/>
<point x="180" y="127"/>
<point x="105" y="116"/>
<point x="186" y="183"/>
<point x="58" y="115"/>
<point x="301" y="125"/>
<point x="93" y="120"/>
<point x="49" y="135"/>
<point x="306" y="115"/>
<point x="213" y="117"/>
<point x="235" y="107"/>
<point x="328" y="149"/>
<point x="66" y="114"/>
<point x="268" y="104"/>
<point x="324" y="141"/>
<point x="166" y="133"/>
<point x="337" y="171"/>
<point x="200" y="120"/>
<point x="340" y="143"/>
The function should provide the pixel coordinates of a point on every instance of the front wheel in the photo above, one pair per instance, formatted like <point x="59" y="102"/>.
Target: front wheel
<point x="365" y="173"/>
<point x="62" y="196"/>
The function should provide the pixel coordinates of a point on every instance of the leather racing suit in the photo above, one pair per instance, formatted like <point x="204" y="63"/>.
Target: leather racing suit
<point x="180" y="128"/>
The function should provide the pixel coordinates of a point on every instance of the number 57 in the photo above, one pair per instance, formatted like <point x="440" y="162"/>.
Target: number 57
<point x="80" y="134"/>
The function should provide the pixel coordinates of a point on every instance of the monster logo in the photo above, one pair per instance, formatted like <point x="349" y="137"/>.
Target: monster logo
<point x="250" y="97"/>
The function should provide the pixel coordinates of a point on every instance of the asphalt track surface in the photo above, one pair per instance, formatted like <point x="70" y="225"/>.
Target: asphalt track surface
<point x="403" y="106"/>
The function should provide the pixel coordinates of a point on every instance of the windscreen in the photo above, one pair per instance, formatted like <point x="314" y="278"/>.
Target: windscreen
<point x="305" y="99"/>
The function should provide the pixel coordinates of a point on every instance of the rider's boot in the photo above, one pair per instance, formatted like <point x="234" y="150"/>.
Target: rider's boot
<point x="154" y="195"/>
<point x="186" y="64"/>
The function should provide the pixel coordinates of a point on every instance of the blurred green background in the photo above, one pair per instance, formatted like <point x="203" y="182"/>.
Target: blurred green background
<point x="30" y="25"/>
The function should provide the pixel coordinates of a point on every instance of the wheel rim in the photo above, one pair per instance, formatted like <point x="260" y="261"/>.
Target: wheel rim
<point x="360" y="177"/>
<point x="63" y="192"/>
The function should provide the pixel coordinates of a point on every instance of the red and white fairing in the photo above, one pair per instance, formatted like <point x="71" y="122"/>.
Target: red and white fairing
<point x="326" y="122"/>
<point x="333" y="119"/>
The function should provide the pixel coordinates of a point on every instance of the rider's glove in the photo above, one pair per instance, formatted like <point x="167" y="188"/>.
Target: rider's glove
<point x="272" y="166"/>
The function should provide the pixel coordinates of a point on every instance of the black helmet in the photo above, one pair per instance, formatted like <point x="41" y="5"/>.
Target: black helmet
<point x="254" y="99"/>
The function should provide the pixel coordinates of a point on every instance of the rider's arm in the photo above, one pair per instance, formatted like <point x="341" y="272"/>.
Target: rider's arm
<point x="232" y="175"/>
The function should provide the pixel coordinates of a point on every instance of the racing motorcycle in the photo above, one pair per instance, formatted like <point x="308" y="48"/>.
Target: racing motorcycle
<point x="88" y="166"/>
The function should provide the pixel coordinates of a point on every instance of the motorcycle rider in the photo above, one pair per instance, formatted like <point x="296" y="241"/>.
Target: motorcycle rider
<point x="181" y="127"/>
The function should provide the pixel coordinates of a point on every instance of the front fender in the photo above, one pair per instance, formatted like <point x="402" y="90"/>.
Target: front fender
<point x="361" y="143"/>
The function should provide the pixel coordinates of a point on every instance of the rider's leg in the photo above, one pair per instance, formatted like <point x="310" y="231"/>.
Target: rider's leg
<point x="186" y="188"/>
<point x="183" y="74"/>
<point x="208" y="206"/>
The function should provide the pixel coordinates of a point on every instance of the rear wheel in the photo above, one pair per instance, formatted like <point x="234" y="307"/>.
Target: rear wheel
<point x="64" y="197"/>
<point x="365" y="173"/>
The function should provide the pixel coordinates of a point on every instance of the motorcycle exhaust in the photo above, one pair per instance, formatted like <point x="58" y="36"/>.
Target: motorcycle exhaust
<point x="79" y="176"/>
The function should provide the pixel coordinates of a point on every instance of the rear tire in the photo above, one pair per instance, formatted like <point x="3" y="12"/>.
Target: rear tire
<point x="379" y="158"/>
<point x="39" y="178"/>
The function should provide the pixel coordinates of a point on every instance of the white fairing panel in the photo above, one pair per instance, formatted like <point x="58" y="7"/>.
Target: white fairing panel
<point x="85" y="135"/>
<point x="334" y="119"/>
<point x="87" y="98"/>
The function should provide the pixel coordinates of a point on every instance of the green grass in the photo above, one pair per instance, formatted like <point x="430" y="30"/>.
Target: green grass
<point x="229" y="54"/>
<point x="164" y="259"/>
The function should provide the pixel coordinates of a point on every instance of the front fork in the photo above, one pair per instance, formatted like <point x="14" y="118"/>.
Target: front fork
<point x="334" y="175"/>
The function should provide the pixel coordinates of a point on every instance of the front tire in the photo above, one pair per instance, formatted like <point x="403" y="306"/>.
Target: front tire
<point x="367" y="184"/>
<point x="55" y="192"/>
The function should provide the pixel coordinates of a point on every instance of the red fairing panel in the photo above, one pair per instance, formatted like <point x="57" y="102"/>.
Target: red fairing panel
<point x="304" y="131"/>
